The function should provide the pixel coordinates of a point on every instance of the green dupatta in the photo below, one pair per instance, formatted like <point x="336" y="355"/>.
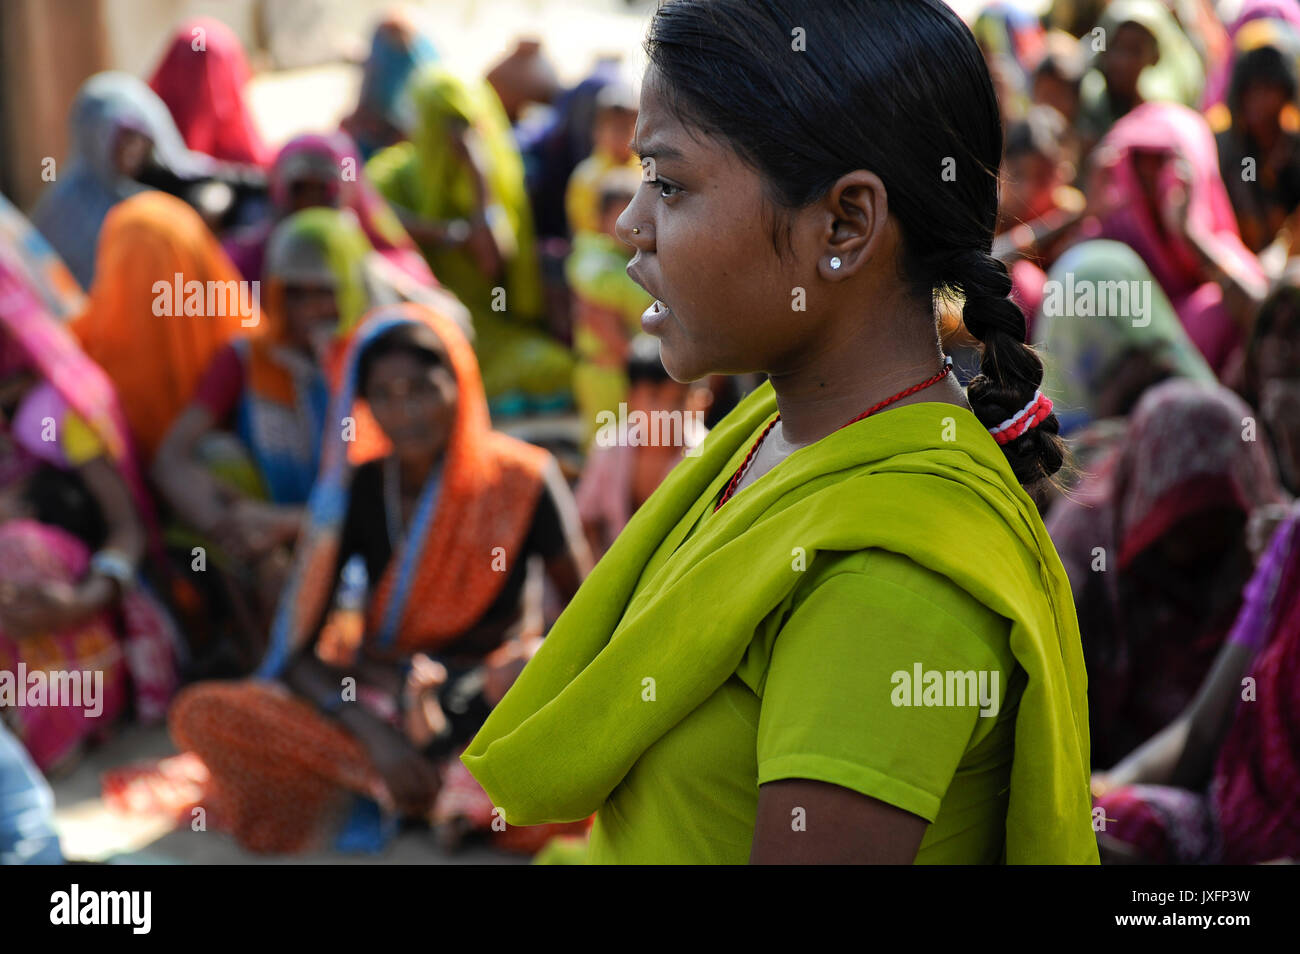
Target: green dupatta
<point x="323" y="244"/>
<point x="425" y="176"/>
<point x="574" y="723"/>
<point x="1081" y="352"/>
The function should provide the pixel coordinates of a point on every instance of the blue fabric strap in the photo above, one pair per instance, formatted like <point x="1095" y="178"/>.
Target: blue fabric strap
<point x="410" y="556"/>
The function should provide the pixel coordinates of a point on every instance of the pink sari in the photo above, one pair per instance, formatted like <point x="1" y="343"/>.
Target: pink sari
<point x="1181" y="134"/>
<point x="137" y="638"/>
<point x="201" y="79"/>
<point x="1251" y="812"/>
<point x="1150" y="634"/>
<point x="1256" y="790"/>
<point x="30" y="553"/>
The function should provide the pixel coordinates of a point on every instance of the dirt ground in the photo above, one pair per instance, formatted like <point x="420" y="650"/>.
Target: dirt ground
<point x="91" y="832"/>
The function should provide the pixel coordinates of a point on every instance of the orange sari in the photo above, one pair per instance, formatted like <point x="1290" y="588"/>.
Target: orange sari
<point x="281" y="773"/>
<point x="153" y="342"/>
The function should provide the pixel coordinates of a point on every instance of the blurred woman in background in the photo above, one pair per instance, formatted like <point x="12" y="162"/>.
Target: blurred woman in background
<point x="1259" y="131"/>
<point x="1272" y="382"/>
<point x="154" y="341"/>
<point x="1155" y="546"/>
<point x="1012" y="40"/>
<point x="247" y="496"/>
<point x="1219" y="784"/>
<point x="459" y="188"/>
<point x="117" y="129"/>
<point x="76" y="533"/>
<point x="1141" y="55"/>
<point x="1097" y="366"/>
<point x="384" y="113"/>
<point x="1039" y="209"/>
<point x="1157" y="189"/>
<point x="314" y="170"/>
<point x="202" y="78"/>
<point x="1286" y="11"/>
<point x="443" y="515"/>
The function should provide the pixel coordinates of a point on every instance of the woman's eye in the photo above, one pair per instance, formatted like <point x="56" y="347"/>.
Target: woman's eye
<point x="666" y="189"/>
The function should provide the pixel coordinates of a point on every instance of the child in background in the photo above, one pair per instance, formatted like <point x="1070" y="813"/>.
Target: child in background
<point x="1258" y="131"/>
<point x="1058" y="76"/>
<point x="1038" y="209"/>
<point x="607" y="304"/>
<point x="612" y="132"/>
<point x="1057" y="81"/>
<point x="623" y="469"/>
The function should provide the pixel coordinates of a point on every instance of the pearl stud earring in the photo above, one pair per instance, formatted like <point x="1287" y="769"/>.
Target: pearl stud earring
<point x="836" y="263"/>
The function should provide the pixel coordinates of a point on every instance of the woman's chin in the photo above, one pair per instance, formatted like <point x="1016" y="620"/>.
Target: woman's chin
<point x="682" y="366"/>
<point x="684" y="360"/>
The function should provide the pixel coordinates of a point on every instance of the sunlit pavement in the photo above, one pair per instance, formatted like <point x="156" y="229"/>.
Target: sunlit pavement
<point x="90" y="831"/>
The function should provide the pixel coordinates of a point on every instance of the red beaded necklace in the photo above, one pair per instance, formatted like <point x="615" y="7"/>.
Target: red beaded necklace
<point x="740" y="473"/>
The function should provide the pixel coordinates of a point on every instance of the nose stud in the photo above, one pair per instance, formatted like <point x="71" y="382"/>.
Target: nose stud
<point x="636" y="231"/>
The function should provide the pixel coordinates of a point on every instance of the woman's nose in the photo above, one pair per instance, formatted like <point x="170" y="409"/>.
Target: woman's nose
<point x="633" y="227"/>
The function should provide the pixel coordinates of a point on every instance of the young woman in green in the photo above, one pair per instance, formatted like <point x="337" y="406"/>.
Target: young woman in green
<point x="840" y="632"/>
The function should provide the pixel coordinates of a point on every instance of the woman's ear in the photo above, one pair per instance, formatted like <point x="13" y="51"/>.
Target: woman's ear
<point x="855" y="217"/>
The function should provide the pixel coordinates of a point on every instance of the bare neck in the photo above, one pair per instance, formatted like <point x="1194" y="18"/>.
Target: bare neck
<point x="846" y="374"/>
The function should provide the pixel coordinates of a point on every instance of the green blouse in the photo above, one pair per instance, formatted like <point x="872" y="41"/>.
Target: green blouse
<point x="814" y="698"/>
<point x="702" y="657"/>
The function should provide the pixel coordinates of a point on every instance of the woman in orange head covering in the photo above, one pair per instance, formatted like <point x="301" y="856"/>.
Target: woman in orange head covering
<point x="438" y="518"/>
<point x="165" y="299"/>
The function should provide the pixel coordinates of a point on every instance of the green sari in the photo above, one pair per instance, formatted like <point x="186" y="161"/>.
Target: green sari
<point x="425" y="176"/>
<point x="925" y="481"/>
<point x="1081" y="353"/>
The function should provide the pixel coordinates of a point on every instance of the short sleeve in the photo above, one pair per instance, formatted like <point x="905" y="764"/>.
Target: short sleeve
<point x="844" y="698"/>
<point x="221" y="384"/>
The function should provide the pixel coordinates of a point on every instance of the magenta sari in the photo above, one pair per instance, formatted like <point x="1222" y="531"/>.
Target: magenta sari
<point x="1180" y="134"/>
<point x="1256" y="789"/>
<point x="202" y="78"/>
<point x="1251" y="812"/>
<point x="132" y="644"/>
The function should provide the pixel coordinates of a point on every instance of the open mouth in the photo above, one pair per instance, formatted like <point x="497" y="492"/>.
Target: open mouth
<point x="654" y="316"/>
<point x="658" y="311"/>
